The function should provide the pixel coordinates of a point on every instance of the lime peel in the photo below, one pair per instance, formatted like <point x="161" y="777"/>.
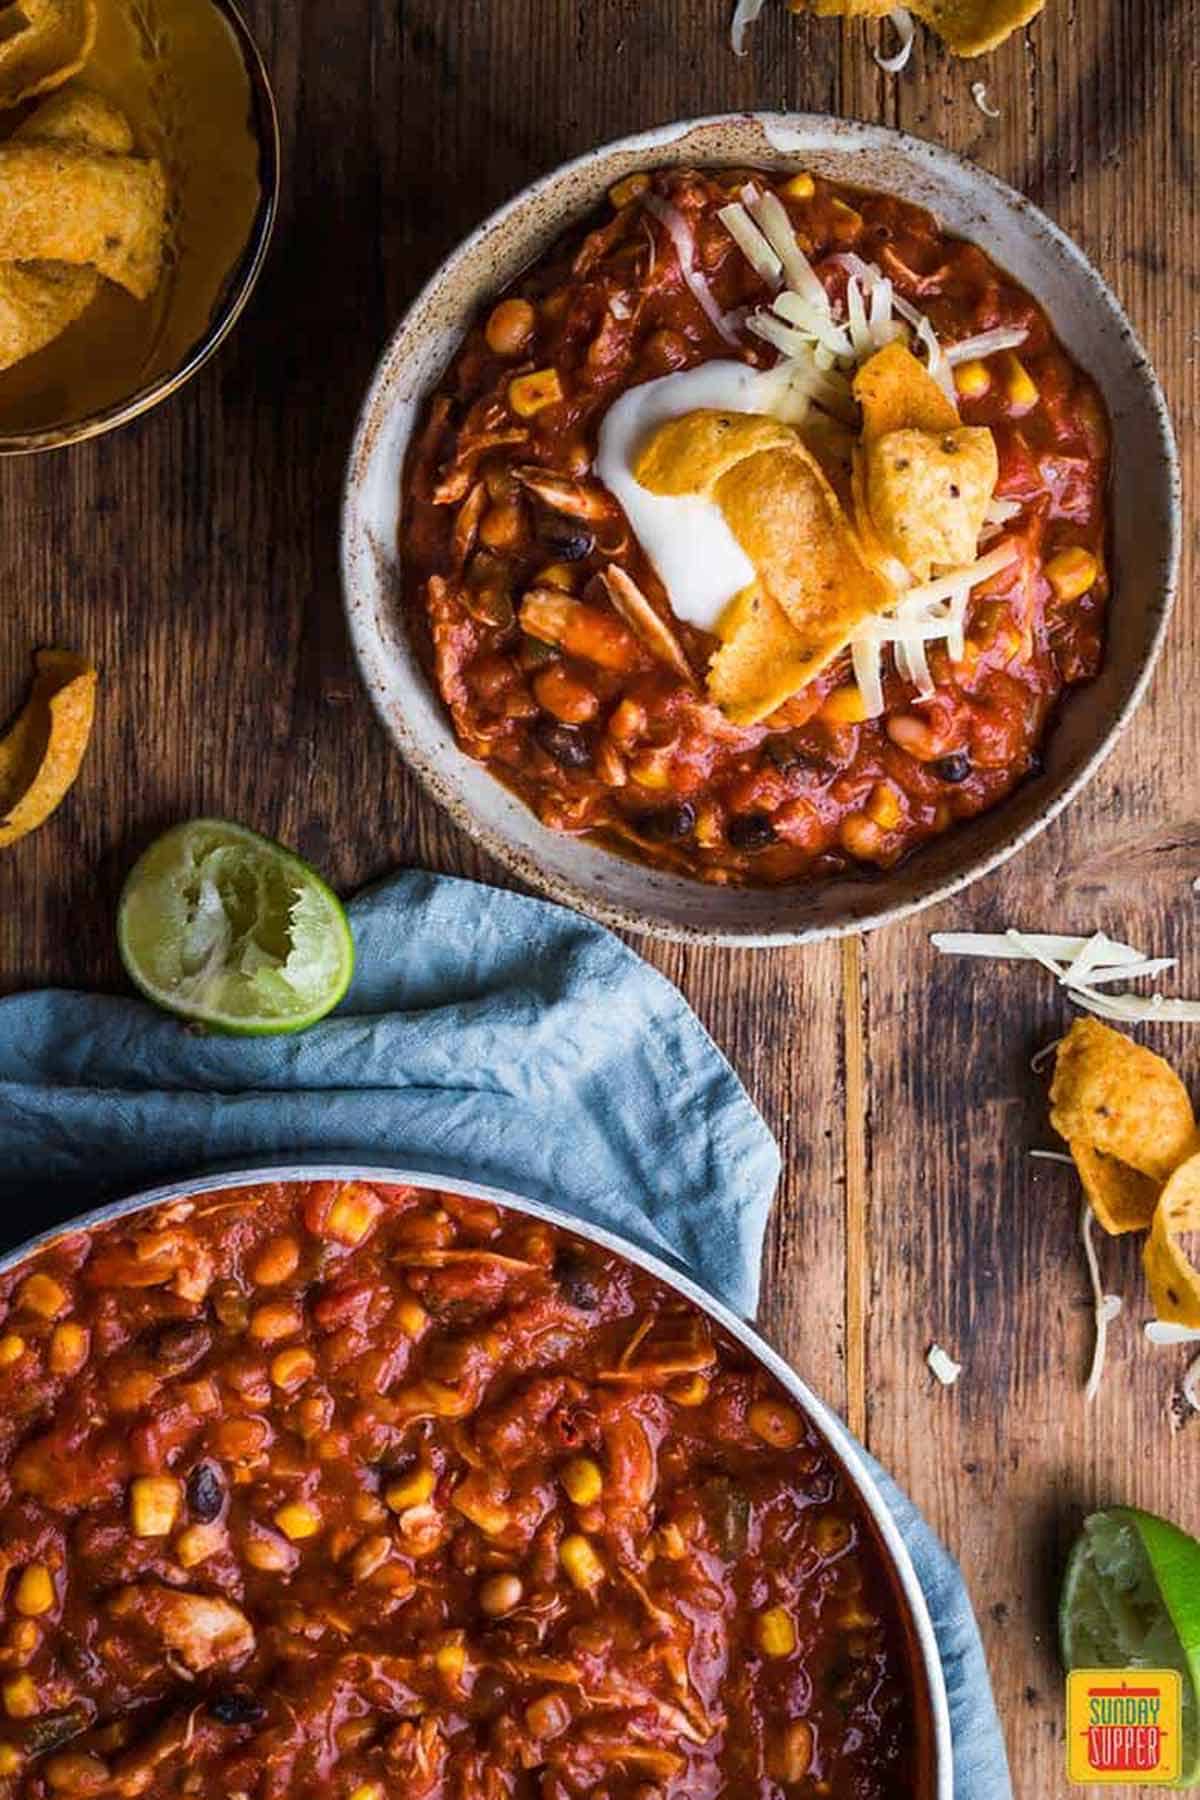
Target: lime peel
<point x="1131" y="1600"/>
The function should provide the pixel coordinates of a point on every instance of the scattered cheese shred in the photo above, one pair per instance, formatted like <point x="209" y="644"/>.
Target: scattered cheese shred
<point x="1059" y="1156"/>
<point x="1082" y="966"/>
<point x="1189" y="1387"/>
<point x="680" y="233"/>
<point x="1105" y="1306"/>
<point x="943" y="1365"/>
<point x="1165" y="1332"/>
<point x="744" y="15"/>
<point x="901" y="21"/>
<point x="751" y="242"/>
<point x="986" y="343"/>
<point x="979" y="95"/>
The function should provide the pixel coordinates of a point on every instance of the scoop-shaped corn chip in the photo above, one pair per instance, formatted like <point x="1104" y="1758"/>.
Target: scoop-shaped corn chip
<point x="38" y="300"/>
<point x="927" y="493"/>
<point x="897" y="393"/>
<point x="65" y="202"/>
<point x="1174" y="1284"/>
<point x="41" y="754"/>
<point x="1120" y="1098"/>
<point x="1121" y="1198"/>
<point x="968" y="27"/>
<point x="689" y="455"/>
<point x="42" y="44"/>
<point x="77" y="115"/>
<point x="37" y="303"/>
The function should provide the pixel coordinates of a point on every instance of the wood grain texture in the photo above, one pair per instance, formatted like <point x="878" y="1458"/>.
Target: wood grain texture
<point x="194" y="557"/>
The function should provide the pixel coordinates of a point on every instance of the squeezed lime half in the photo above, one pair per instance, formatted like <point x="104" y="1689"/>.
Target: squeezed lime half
<point x="1131" y="1600"/>
<point x="226" y="929"/>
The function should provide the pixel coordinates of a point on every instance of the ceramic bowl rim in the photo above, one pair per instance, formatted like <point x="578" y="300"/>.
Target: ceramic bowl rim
<point x="642" y="919"/>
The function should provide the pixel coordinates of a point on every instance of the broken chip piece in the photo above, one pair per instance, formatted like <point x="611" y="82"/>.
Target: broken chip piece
<point x="927" y="493"/>
<point x="968" y="27"/>
<point x="42" y="44"/>
<point x="897" y="393"/>
<point x="41" y="754"/>
<point x="1122" y="1198"/>
<point x="1173" y="1281"/>
<point x="1121" y="1099"/>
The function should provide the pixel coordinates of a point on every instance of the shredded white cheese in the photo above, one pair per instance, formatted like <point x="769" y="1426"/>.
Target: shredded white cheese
<point x="1164" y="1332"/>
<point x="943" y="1365"/>
<point x="900" y="19"/>
<point x="1189" y="1387"/>
<point x="979" y="95"/>
<point x="986" y="343"/>
<point x="1058" y="1156"/>
<point x="744" y="15"/>
<point x="751" y="242"/>
<point x="1082" y="966"/>
<point x="1105" y="1306"/>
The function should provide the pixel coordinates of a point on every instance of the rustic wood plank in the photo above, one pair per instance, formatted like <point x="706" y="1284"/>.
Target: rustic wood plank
<point x="194" y="557"/>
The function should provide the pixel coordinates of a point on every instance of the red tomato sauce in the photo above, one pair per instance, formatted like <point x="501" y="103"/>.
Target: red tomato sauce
<point x="346" y="1492"/>
<point x="601" y="737"/>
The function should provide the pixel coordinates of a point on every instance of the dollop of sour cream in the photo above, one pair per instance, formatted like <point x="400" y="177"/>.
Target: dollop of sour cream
<point x="698" y="559"/>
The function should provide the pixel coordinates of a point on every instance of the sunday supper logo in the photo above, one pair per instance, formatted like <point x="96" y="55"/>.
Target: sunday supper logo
<point x="1123" y="1728"/>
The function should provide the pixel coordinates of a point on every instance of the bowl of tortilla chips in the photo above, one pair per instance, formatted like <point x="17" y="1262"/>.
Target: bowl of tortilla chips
<point x="381" y="542"/>
<point x="139" y="175"/>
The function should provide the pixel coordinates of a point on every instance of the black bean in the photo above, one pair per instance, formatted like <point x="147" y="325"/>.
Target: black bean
<point x="178" y="1347"/>
<point x="576" y="1281"/>
<point x="750" y="831"/>
<point x="237" y="1706"/>
<point x="569" y="748"/>
<point x="569" y="542"/>
<point x="205" y="1492"/>
<point x="955" y="767"/>
<point x="786" y="756"/>
<point x="668" y="824"/>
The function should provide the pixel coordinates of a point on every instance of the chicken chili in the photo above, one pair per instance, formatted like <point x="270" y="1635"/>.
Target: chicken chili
<point x="696" y="686"/>
<point x="346" y="1492"/>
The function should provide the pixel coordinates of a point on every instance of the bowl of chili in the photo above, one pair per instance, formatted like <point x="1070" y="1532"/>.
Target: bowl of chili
<point x="336" y="1479"/>
<point x="516" y="636"/>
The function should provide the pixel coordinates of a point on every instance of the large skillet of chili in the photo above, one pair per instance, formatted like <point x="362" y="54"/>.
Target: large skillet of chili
<point x="344" y="1491"/>
<point x="602" y="738"/>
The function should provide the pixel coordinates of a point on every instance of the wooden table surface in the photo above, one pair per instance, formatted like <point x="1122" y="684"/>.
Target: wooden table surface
<point x="194" y="556"/>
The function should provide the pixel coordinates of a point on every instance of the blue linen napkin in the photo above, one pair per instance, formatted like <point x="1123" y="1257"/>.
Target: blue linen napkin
<point x="486" y="1036"/>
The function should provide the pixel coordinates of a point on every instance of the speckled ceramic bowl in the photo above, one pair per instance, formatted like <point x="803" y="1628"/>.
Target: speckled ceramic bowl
<point x="1145" y="524"/>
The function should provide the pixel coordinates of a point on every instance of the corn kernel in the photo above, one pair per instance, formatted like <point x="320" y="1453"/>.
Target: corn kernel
<point x="197" y="1543"/>
<point x="12" y="1349"/>
<point x="1072" y="572"/>
<point x="297" y="1521"/>
<point x="34" y="1593"/>
<point x="652" y="769"/>
<point x="10" y="1759"/>
<point x="367" y="1790"/>
<point x="450" y="1660"/>
<point x="153" y="1505"/>
<point x="292" y="1368"/>
<point x="20" y="1698"/>
<point x="580" y="1562"/>
<point x="582" y="1480"/>
<point x="472" y="1499"/>
<point x="23" y="1640"/>
<point x="1019" y="385"/>
<point x="624" y="191"/>
<point x="972" y="379"/>
<point x="800" y="187"/>
<point x="775" y="1424"/>
<point x="691" y="1390"/>
<point x="353" y="1214"/>
<point x="411" y="1317"/>
<point x="410" y="1490"/>
<point x="776" y="1633"/>
<point x="845" y="706"/>
<point x="69" y="1347"/>
<point x="831" y="1534"/>
<point x="883" y="805"/>
<point x="529" y="394"/>
<point x="558" y="575"/>
<point x="42" y="1295"/>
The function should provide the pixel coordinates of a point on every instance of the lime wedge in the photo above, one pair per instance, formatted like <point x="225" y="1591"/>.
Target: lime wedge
<point x="1131" y="1600"/>
<point x="229" y="930"/>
